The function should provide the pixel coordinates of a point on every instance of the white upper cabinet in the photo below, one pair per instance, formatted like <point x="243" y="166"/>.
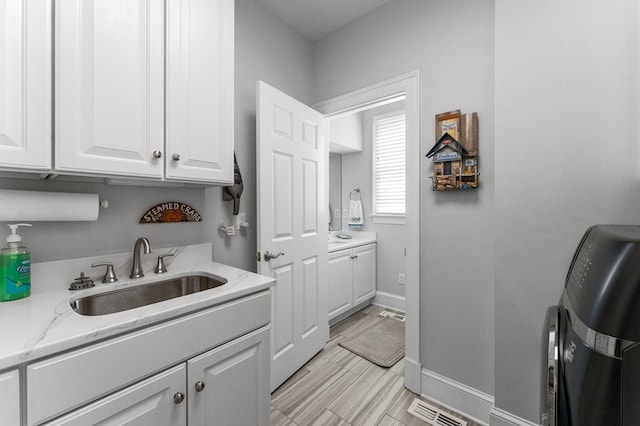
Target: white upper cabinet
<point x="109" y="86"/>
<point x="141" y="94"/>
<point x="200" y="90"/>
<point x="25" y="85"/>
<point x="345" y="135"/>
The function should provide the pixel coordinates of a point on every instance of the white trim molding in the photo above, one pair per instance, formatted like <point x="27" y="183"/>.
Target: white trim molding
<point x="499" y="417"/>
<point x="469" y="402"/>
<point x="388" y="219"/>
<point x="409" y="86"/>
<point x="392" y="301"/>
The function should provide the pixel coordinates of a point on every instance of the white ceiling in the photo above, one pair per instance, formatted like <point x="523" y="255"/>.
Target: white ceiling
<point x="315" y="19"/>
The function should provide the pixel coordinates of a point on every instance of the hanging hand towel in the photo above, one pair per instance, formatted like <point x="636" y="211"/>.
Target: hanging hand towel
<point x="356" y="219"/>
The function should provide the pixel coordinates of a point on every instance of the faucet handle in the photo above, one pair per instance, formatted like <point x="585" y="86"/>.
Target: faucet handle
<point x="109" y="275"/>
<point x="160" y="267"/>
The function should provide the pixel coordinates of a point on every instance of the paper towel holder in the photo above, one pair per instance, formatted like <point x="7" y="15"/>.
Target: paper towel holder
<point x="49" y="206"/>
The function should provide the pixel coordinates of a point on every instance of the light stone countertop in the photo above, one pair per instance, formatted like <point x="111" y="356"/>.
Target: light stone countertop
<point x="358" y="238"/>
<point x="44" y="323"/>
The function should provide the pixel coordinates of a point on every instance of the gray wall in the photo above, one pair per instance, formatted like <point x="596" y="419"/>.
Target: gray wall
<point x="265" y="50"/>
<point x="117" y="227"/>
<point x="357" y="171"/>
<point x="335" y="191"/>
<point x="451" y="43"/>
<point x="567" y="83"/>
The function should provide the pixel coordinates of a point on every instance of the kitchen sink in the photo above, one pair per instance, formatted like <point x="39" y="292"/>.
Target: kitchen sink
<point x="127" y="298"/>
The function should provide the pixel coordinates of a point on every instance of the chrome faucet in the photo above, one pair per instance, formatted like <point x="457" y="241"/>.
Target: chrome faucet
<point x="136" y="267"/>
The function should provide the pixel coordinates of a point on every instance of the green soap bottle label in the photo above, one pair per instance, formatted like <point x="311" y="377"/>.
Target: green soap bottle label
<point x="18" y="276"/>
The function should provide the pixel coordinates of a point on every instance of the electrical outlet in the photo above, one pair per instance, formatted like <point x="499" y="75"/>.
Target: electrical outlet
<point x="336" y="213"/>
<point x="345" y="213"/>
<point x="401" y="278"/>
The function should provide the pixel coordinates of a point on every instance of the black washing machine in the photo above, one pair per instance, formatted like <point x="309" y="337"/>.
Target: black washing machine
<point x="590" y="352"/>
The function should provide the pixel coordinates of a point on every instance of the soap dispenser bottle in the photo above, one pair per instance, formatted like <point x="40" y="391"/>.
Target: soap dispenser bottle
<point x="15" y="267"/>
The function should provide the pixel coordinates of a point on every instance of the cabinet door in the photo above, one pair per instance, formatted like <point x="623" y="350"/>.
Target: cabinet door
<point x="364" y="273"/>
<point x="200" y="89"/>
<point x="340" y="293"/>
<point x="10" y="397"/>
<point x="109" y="62"/>
<point x="229" y="385"/>
<point x="25" y="85"/>
<point x="150" y="402"/>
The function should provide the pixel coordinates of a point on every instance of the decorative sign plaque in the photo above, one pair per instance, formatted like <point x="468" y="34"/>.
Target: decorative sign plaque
<point x="171" y="212"/>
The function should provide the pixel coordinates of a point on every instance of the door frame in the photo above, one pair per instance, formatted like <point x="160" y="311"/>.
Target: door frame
<point x="409" y="85"/>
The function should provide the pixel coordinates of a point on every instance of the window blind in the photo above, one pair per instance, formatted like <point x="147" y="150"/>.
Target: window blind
<point x="389" y="164"/>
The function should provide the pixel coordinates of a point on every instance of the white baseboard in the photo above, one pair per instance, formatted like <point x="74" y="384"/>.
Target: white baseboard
<point x="412" y="378"/>
<point x="500" y="417"/>
<point x="389" y="300"/>
<point x="469" y="402"/>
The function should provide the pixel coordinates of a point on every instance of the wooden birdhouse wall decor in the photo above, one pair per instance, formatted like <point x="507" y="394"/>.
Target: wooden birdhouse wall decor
<point x="455" y="153"/>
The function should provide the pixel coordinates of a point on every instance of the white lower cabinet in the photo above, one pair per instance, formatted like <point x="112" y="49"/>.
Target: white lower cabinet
<point x="230" y="384"/>
<point x="352" y="278"/>
<point x="208" y="368"/>
<point x="340" y="282"/>
<point x="10" y="397"/>
<point x="224" y="386"/>
<point x="150" y="402"/>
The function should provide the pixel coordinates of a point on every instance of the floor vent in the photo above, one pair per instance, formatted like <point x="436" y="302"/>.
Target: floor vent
<point x="432" y="415"/>
<point x="399" y="317"/>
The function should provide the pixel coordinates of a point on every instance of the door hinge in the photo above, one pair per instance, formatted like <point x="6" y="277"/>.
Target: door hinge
<point x="257" y="256"/>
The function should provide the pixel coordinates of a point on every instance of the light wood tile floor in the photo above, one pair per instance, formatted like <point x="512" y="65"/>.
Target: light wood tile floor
<point x="340" y="388"/>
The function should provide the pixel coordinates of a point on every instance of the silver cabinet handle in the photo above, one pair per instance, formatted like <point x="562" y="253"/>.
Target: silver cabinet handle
<point x="157" y="154"/>
<point x="268" y="255"/>
<point x="199" y="386"/>
<point x="175" y="157"/>
<point x="178" y="397"/>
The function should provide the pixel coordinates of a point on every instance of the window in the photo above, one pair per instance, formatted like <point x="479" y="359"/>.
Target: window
<point x="389" y="167"/>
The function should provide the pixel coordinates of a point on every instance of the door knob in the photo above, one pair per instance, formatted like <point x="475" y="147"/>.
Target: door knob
<point x="175" y="157"/>
<point x="268" y="255"/>
<point x="199" y="386"/>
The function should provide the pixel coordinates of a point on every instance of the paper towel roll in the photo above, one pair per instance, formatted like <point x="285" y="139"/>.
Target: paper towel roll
<point x="33" y="206"/>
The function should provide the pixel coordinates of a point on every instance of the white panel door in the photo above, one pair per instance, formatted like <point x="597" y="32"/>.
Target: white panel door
<point x="109" y="61"/>
<point x="293" y="213"/>
<point x="150" y="402"/>
<point x="229" y="385"/>
<point x="364" y="273"/>
<point x="200" y="90"/>
<point x="10" y="397"/>
<point x="25" y="85"/>
<point x="340" y="286"/>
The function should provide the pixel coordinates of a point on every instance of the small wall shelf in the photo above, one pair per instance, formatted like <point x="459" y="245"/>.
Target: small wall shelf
<point x="455" y="154"/>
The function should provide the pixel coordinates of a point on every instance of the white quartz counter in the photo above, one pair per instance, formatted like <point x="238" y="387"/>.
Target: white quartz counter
<point x="44" y="323"/>
<point x="358" y="238"/>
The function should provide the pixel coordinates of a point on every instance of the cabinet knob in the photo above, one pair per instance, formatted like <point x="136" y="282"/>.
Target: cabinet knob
<point x="175" y="157"/>
<point x="199" y="386"/>
<point x="178" y="397"/>
<point x="157" y="154"/>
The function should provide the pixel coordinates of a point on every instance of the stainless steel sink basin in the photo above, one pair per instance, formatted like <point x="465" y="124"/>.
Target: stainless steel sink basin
<point x="133" y="297"/>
